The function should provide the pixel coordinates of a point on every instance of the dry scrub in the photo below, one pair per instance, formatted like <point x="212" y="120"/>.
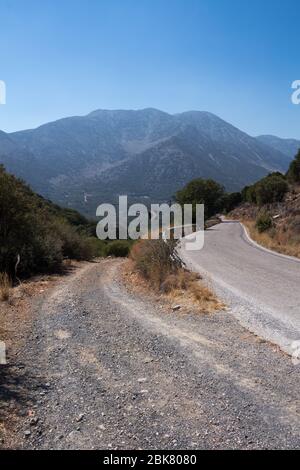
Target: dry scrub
<point x="157" y="262"/>
<point x="284" y="234"/>
<point x="280" y="239"/>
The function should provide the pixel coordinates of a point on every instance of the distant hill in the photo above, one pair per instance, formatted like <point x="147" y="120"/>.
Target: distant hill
<point x="81" y="162"/>
<point x="288" y="147"/>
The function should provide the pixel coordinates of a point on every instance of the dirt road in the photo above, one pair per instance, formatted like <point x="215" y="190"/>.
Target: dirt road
<point x="103" y="369"/>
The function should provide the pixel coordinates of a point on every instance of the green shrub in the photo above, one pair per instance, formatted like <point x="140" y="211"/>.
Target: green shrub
<point x="293" y="173"/>
<point x="268" y="190"/>
<point x="263" y="222"/>
<point x="97" y="246"/>
<point x="200" y="191"/>
<point x="295" y="224"/>
<point x="38" y="232"/>
<point x="74" y="245"/>
<point x="230" y="201"/>
<point x="118" y="248"/>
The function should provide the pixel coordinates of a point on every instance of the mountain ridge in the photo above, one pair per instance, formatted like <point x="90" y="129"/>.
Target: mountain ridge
<point x="289" y="147"/>
<point x="82" y="161"/>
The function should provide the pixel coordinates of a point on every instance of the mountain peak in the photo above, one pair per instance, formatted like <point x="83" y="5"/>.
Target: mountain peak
<point x="144" y="152"/>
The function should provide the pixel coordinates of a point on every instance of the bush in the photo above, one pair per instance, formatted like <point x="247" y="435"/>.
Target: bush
<point x="295" y="224"/>
<point x="159" y="264"/>
<point x="293" y="173"/>
<point x="200" y="191"/>
<point x="230" y="201"/>
<point x="118" y="248"/>
<point x="155" y="260"/>
<point x="268" y="190"/>
<point x="264" y="222"/>
<point x="74" y="246"/>
<point x="97" y="246"/>
<point x="36" y="231"/>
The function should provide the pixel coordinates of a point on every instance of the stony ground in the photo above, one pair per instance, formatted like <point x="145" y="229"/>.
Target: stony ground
<point x="103" y="368"/>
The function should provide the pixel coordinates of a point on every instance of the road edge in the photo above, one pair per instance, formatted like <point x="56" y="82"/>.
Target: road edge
<point x="250" y="240"/>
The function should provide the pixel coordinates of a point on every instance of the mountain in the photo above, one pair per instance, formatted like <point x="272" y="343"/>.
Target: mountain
<point x="21" y="162"/>
<point x="148" y="154"/>
<point x="288" y="147"/>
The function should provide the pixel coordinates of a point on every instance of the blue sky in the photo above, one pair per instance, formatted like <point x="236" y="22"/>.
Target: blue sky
<point x="235" y="58"/>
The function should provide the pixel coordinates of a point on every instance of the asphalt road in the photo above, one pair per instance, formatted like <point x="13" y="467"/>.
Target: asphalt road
<point x="262" y="288"/>
<point x="105" y="368"/>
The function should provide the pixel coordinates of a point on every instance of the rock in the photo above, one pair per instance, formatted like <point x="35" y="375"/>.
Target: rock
<point x="74" y="436"/>
<point x="148" y="360"/>
<point x="34" y="421"/>
<point x="27" y="433"/>
<point x="142" y="380"/>
<point x="80" y="417"/>
<point x="176" y="307"/>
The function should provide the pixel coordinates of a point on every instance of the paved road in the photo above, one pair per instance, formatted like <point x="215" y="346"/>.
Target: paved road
<point x="262" y="288"/>
<point x="105" y="368"/>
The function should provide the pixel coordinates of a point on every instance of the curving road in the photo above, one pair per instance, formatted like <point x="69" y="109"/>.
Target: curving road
<point x="262" y="288"/>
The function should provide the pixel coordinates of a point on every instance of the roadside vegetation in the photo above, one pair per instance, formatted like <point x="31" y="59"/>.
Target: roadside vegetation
<point x="37" y="236"/>
<point x="270" y="209"/>
<point x="158" y="263"/>
<point x="211" y="194"/>
<point x="118" y="248"/>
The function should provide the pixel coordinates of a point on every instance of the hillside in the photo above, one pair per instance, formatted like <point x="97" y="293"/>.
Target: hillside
<point x="288" y="147"/>
<point x="37" y="233"/>
<point x="81" y="162"/>
<point x="275" y="225"/>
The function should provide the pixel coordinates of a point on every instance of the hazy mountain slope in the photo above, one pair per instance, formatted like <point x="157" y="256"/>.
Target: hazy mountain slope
<point x="288" y="147"/>
<point x="83" y="161"/>
<point x="100" y="137"/>
<point x="234" y="142"/>
<point x="22" y="163"/>
<point x="167" y="166"/>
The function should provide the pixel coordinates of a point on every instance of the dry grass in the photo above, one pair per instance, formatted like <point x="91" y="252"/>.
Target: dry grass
<point x="281" y="239"/>
<point x="158" y="265"/>
<point x="284" y="236"/>
<point x="5" y="286"/>
<point x="155" y="260"/>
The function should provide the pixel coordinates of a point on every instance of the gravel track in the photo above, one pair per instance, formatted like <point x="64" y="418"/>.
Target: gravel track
<point x="108" y="369"/>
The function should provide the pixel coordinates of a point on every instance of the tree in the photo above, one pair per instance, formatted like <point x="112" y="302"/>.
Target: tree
<point x="230" y="201"/>
<point x="37" y="232"/>
<point x="293" y="173"/>
<point x="270" y="189"/>
<point x="201" y="191"/>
